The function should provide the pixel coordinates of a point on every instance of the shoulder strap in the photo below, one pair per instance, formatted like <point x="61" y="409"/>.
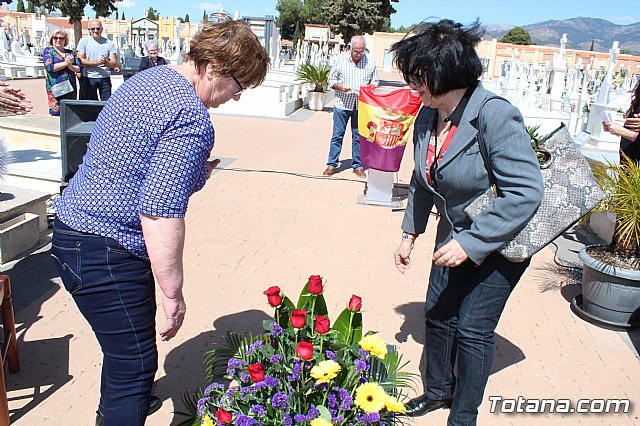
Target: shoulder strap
<point x="481" y="144"/>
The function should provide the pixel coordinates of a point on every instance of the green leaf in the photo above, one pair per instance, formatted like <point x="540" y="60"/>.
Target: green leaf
<point x="341" y="325"/>
<point x="305" y="301"/>
<point x="324" y="412"/>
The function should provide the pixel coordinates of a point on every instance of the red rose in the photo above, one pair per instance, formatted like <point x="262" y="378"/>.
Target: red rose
<point x="298" y="318"/>
<point x="273" y="296"/>
<point x="223" y="417"/>
<point x="355" y="303"/>
<point x="315" y="284"/>
<point x="256" y="371"/>
<point x="304" y="350"/>
<point x="322" y="324"/>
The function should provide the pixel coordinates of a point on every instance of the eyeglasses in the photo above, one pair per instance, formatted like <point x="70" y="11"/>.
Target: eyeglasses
<point x="95" y="29"/>
<point x="242" y="89"/>
<point x="58" y="38"/>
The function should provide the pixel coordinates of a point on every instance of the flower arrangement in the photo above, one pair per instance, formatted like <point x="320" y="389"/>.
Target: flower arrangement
<point x="304" y="370"/>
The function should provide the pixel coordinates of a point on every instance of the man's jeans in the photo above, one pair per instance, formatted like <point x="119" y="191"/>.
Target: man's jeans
<point x="340" y="118"/>
<point x="462" y="310"/>
<point x="91" y="87"/>
<point x="115" y="292"/>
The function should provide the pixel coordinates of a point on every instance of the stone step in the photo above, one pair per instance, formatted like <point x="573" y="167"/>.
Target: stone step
<point x="32" y="131"/>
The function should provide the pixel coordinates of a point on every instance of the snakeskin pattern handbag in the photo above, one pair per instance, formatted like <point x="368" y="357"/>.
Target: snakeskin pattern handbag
<point x="570" y="192"/>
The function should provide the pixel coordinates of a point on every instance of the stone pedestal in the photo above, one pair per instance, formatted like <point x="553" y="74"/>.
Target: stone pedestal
<point x="18" y="201"/>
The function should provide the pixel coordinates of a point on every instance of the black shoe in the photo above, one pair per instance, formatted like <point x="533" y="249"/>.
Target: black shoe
<point x="154" y="405"/>
<point x="421" y="405"/>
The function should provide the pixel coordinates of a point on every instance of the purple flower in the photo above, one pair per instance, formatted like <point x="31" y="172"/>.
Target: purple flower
<point x="331" y="356"/>
<point x="363" y="354"/>
<point x="346" y="401"/>
<point x="280" y="401"/>
<point x="276" y="330"/>
<point x="361" y="366"/>
<point x="202" y="404"/>
<point x="244" y="377"/>
<point x="313" y="413"/>
<point x="300" y="418"/>
<point x="275" y="359"/>
<point x="286" y="420"/>
<point x="258" y="410"/>
<point x="213" y="386"/>
<point x="332" y="400"/>
<point x="297" y="368"/>
<point x="244" y="420"/>
<point x="368" y="418"/>
<point x="233" y="364"/>
<point x="253" y="347"/>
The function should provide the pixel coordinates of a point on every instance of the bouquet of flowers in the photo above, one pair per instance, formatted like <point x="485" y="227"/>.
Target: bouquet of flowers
<point x="304" y="370"/>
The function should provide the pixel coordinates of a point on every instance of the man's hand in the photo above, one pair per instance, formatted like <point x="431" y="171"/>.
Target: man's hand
<point x="13" y="99"/>
<point x="174" y="310"/>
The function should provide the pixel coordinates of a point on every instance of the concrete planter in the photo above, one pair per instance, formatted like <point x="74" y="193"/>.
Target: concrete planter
<point x="610" y="295"/>
<point x="317" y="100"/>
<point x="17" y="236"/>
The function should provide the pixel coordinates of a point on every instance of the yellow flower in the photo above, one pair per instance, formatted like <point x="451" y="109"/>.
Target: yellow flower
<point x="208" y="421"/>
<point x="370" y="397"/>
<point x="392" y="404"/>
<point x="320" y="422"/>
<point x="374" y="345"/>
<point x="325" y="371"/>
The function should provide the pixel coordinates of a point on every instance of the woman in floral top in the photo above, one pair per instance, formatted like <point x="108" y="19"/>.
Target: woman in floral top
<point x="61" y="64"/>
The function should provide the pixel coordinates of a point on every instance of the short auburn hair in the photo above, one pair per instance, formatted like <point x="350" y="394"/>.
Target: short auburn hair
<point x="232" y="49"/>
<point x="57" y="32"/>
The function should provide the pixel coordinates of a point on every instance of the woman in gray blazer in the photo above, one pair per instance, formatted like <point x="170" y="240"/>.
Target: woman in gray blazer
<point x="470" y="281"/>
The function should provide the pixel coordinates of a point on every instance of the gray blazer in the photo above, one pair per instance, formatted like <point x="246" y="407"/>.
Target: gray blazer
<point x="461" y="177"/>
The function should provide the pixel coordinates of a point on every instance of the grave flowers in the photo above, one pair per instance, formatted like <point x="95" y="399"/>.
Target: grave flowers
<point x="305" y="369"/>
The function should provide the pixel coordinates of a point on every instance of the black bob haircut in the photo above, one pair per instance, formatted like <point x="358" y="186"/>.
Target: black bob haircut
<point x="441" y="55"/>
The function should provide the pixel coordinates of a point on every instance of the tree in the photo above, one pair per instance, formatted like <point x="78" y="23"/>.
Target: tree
<point x="186" y="18"/>
<point x="153" y="14"/>
<point x="74" y="9"/>
<point x="205" y="17"/>
<point x="20" y="6"/>
<point x="290" y="21"/>
<point x="357" y="17"/>
<point x="312" y="12"/>
<point x="517" y="35"/>
<point x="123" y="18"/>
<point x="593" y="44"/>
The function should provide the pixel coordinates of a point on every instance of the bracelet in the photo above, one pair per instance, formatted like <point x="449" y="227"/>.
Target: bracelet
<point x="408" y="236"/>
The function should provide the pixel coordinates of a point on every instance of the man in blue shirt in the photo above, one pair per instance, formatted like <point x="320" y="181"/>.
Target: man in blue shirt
<point x="350" y="71"/>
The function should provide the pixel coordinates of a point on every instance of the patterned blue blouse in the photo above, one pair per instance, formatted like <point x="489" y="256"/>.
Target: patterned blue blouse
<point x="147" y="154"/>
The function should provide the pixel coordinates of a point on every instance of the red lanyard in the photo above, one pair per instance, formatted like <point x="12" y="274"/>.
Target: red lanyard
<point x="432" y="163"/>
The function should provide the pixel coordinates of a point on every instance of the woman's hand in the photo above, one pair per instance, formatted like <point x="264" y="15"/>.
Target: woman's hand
<point x="450" y="254"/>
<point x="212" y="165"/>
<point x="402" y="253"/>
<point x="174" y="310"/>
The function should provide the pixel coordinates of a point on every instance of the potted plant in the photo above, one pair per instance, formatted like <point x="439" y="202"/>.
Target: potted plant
<point x="318" y="77"/>
<point x="611" y="273"/>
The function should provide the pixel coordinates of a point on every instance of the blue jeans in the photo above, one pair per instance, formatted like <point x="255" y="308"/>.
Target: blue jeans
<point x="462" y="311"/>
<point x="115" y="292"/>
<point x="340" y="118"/>
<point x="91" y="87"/>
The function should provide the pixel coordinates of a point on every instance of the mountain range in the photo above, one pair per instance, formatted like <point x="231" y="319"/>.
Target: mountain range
<point x="580" y="33"/>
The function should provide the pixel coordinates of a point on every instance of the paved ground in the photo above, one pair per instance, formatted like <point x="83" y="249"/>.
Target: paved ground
<point x="267" y="217"/>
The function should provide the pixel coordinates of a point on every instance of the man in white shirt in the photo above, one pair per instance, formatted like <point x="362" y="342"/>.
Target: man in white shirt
<point x="98" y="56"/>
<point x="350" y="70"/>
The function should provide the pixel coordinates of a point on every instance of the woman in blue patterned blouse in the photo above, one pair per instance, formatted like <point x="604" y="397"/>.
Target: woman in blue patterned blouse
<point x="60" y="64"/>
<point x="120" y="221"/>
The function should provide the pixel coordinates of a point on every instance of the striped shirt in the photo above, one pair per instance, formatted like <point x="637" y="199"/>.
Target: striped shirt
<point x="345" y="71"/>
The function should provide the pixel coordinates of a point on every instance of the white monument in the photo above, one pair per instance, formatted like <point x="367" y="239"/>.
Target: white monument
<point x="559" y="72"/>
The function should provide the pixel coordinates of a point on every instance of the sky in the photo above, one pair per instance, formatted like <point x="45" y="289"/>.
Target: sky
<point x="412" y="11"/>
